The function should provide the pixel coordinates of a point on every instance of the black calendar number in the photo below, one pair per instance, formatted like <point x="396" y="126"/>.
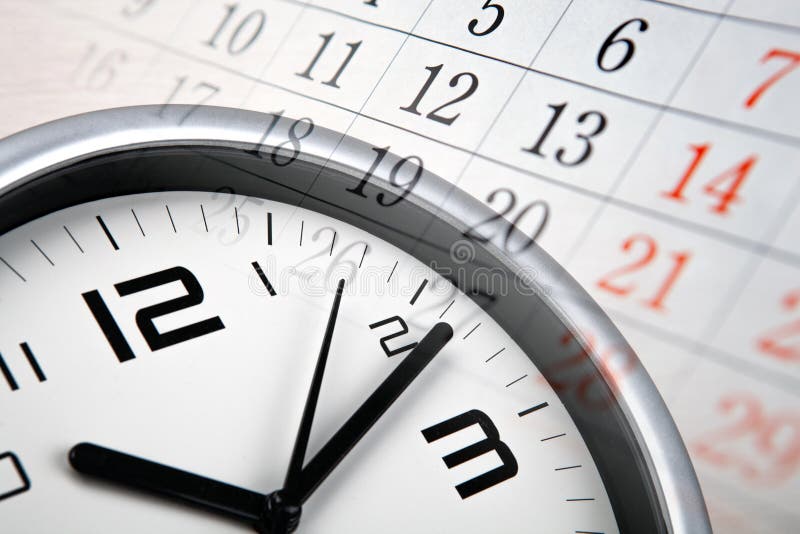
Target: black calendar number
<point x="455" y="81"/>
<point x="499" y="14"/>
<point x="539" y="208"/>
<point x="281" y="155"/>
<point x="614" y="42"/>
<point x="238" y="32"/>
<point x="334" y="80"/>
<point x="410" y="166"/>
<point x="595" y="123"/>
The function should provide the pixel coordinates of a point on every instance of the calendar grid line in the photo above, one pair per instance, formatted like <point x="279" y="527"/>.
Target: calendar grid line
<point x="720" y="356"/>
<point x="278" y="48"/>
<point x="728" y="16"/>
<point x="779" y="254"/>
<point x="474" y="153"/>
<point x="359" y="113"/>
<point x="779" y="137"/>
<point x="727" y="305"/>
<point x="645" y="138"/>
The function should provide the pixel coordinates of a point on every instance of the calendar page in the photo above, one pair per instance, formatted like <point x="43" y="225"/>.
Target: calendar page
<point x="651" y="147"/>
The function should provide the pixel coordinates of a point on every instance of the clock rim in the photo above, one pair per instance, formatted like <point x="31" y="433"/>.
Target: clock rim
<point x="43" y="149"/>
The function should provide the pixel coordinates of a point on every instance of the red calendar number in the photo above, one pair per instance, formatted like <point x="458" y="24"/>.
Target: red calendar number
<point x="794" y="61"/>
<point x="724" y="186"/>
<point x="649" y="254"/>
<point x="576" y="372"/>
<point x="762" y="448"/>
<point x="778" y="341"/>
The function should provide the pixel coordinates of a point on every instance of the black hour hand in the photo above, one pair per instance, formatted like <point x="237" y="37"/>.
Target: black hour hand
<point x="154" y="478"/>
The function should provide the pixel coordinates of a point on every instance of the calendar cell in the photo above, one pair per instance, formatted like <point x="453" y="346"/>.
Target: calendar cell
<point x="732" y="509"/>
<point x="241" y="36"/>
<point x="442" y="92"/>
<point x="631" y="47"/>
<point x="268" y="99"/>
<point x="91" y="68"/>
<point x="401" y="15"/>
<point x="513" y="30"/>
<point x="715" y="6"/>
<point x="150" y="18"/>
<point x="787" y="238"/>
<point x="333" y="58"/>
<point x="748" y="74"/>
<point x="549" y="215"/>
<point x="656" y="273"/>
<point x="567" y="132"/>
<point x="714" y="176"/>
<point x="770" y="338"/>
<point x="173" y="80"/>
<point x="440" y="159"/>
<point x="667" y="362"/>
<point x="743" y="433"/>
<point x="782" y="12"/>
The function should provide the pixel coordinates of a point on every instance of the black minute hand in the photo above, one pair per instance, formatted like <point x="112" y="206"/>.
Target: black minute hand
<point x="283" y="513"/>
<point x="318" y="469"/>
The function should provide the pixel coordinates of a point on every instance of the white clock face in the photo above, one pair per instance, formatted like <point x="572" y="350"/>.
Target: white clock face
<point x="215" y="383"/>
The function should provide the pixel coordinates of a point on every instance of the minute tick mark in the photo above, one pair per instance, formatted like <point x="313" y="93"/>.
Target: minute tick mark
<point x="236" y="216"/>
<point x="568" y="467"/>
<point x="269" y="228"/>
<point x="203" y="213"/>
<point x="362" y="255"/>
<point x="515" y="381"/>
<point x="137" y="222"/>
<point x="471" y="331"/>
<point x="73" y="239"/>
<point x="552" y="437"/>
<point x="333" y="242"/>
<point x="42" y="253"/>
<point x="391" y="273"/>
<point x="172" y="222"/>
<point x="495" y="354"/>
<point x="523" y="413"/>
<point x="447" y="308"/>
<point x="107" y="232"/>
<point x="302" y="224"/>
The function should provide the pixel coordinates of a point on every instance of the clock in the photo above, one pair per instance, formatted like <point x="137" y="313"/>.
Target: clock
<point x="215" y="320"/>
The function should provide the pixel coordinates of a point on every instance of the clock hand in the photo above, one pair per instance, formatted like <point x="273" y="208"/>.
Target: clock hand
<point x="239" y="503"/>
<point x="318" y="469"/>
<point x="285" y="510"/>
<point x="164" y="481"/>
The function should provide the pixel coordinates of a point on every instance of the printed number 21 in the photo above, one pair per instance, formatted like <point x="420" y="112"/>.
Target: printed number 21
<point x="656" y="301"/>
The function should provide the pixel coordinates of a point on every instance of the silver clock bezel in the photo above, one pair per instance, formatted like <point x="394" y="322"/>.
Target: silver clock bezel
<point x="35" y="152"/>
